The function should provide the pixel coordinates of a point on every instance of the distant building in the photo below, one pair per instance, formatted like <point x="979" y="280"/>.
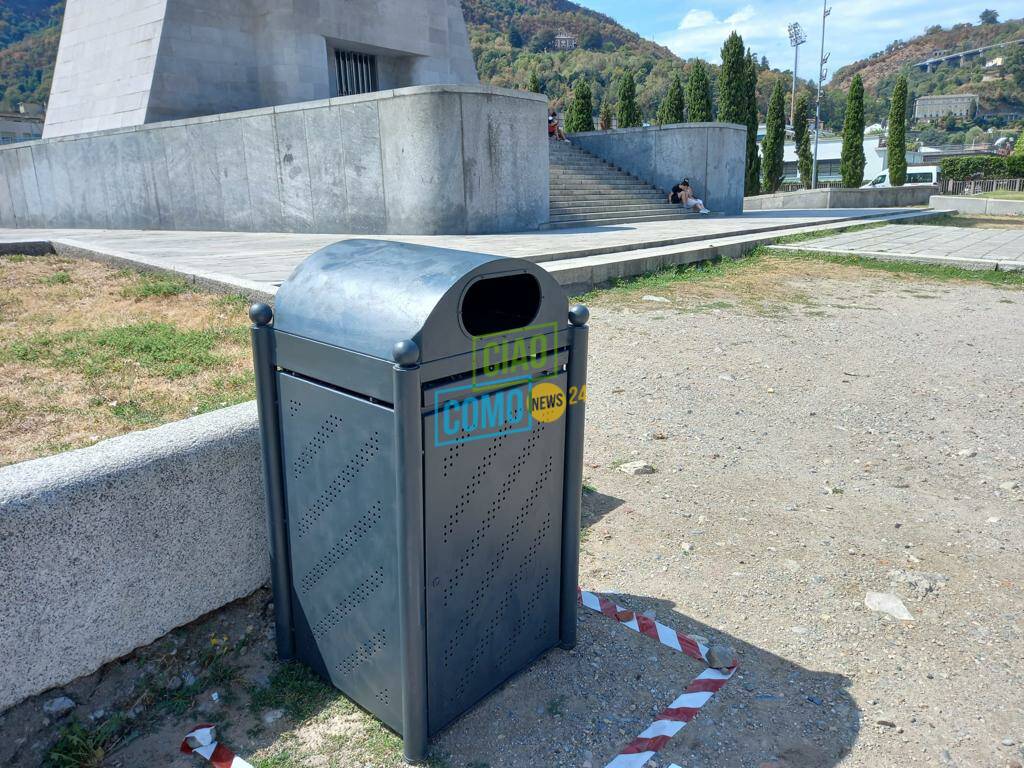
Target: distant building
<point x="24" y="125"/>
<point x="566" y="41"/>
<point x="996" y="62"/>
<point x="830" y="149"/>
<point x="962" y="105"/>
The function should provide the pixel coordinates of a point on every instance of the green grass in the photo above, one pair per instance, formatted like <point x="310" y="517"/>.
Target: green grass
<point x="59" y="277"/>
<point x="688" y="273"/>
<point x="159" y="348"/>
<point x="1002" y="195"/>
<point x="938" y="272"/>
<point x="15" y="258"/>
<point x="153" y="284"/>
<point x="298" y="691"/>
<point x="79" y="747"/>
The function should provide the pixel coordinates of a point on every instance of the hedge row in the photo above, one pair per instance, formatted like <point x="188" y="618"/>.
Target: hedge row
<point x="989" y="166"/>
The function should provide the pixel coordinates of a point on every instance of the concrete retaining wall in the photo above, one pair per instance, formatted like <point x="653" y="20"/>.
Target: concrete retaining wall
<point x="983" y="205"/>
<point x="711" y="155"/>
<point x="105" y="549"/>
<point x="426" y="160"/>
<point x="803" y="199"/>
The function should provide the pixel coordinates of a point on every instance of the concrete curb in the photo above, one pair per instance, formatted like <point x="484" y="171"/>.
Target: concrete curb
<point x="107" y="548"/>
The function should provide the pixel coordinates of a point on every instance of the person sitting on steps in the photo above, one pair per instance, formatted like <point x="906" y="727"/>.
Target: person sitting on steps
<point x="554" y="129"/>
<point x="682" y="193"/>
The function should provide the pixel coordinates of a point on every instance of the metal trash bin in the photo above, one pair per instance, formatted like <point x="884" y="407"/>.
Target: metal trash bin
<point x="422" y="417"/>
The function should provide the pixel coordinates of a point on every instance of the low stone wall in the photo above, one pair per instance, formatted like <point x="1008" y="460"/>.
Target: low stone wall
<point x="804" y="199"/>
<point x="982" y="205"/>
<point x="429" y="160"/>
<point x="105" y="549"/>
<point x="710" y="155"/>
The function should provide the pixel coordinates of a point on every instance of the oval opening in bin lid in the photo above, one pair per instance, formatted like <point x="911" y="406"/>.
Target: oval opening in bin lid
<point x="366" y="295"/>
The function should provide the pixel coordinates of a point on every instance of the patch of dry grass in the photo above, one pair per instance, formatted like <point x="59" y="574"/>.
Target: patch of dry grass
<point x="88" y="352"/>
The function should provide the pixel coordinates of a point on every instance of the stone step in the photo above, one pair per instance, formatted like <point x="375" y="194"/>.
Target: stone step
<point x="586" y="207"/>
<point x="580" y="195"/>
<point x="599" y="219"/>
<point x="608" y="184"/>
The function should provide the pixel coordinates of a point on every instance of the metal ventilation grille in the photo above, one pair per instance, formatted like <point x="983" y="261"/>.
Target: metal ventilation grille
<point x="342" y="536"/>
<point x="342" y="480"/>
<point x="362" y="527"/>
<point x="493" y="548"/>
<point x="317" y="443"/>
<point x="349" y="603"/>
<point x="367" y="650"/>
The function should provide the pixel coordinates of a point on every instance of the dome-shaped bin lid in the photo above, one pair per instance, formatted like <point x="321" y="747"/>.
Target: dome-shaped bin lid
<point x="367" y="295"/>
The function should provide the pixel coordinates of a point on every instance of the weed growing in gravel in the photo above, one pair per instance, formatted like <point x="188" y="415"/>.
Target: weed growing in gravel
<point x="78" y="747"/>
<point x="60" y="277"/>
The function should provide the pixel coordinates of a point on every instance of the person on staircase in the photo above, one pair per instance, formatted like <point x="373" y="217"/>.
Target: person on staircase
<point x="682" y="194"/>
<point x="554" y="129"/>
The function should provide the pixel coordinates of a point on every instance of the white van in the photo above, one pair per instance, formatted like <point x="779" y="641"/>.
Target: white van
<point x="917" y="176"/>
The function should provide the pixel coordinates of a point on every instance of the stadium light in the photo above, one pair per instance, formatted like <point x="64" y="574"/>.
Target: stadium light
<point x="797" y="37"/>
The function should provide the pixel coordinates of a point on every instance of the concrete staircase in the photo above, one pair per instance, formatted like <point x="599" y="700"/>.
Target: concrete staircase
<point x="586" y="192"/>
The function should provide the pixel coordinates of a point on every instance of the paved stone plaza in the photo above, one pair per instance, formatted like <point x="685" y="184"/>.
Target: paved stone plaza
<point x="580" y="258"/>
<point x="956" y="246"/>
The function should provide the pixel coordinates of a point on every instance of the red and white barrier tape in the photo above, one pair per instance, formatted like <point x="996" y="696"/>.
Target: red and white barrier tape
<point x="202" y="741"/>
<point x="673" y="718"/>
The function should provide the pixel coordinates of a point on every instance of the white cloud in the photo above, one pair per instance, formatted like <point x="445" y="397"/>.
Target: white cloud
<point x="854" y="29"/>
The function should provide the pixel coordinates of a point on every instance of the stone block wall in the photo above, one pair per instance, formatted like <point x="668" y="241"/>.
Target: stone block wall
<point x="106" y="549"/>
<point x="710" y="155"/>
<point x="425" y="160"/>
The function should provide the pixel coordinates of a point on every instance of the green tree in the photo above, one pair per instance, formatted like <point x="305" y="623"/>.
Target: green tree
<point x="604" y="120"/>
<point x="542" y="41"/>
<point x="628" y="112"/>
<point x="580" y="116"/>
<point x="591" y="40"/>
<point x="534" y="84"/>
<point x="802" y="139"/>
<point x="852" y="161"/>
<point x="673" y="106"/>
<point x="774" y="140"/>
<point x="698" y="93"/>
<point x="752" y="177"/>
<point x="515" y="37"/>
<point x="732" y="80"/>
<point x="988" y="16"/>
<point x="897" y="139"/>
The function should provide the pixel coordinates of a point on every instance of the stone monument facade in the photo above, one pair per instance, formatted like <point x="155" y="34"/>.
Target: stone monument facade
<point x="124" y="63"/>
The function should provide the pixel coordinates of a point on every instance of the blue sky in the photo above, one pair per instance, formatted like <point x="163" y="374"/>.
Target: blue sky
<point x="855" y="29"/>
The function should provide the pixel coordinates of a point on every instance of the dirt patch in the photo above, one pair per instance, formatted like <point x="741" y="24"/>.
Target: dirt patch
<point x="88" y="352"/>
<point x="803" y="458"/>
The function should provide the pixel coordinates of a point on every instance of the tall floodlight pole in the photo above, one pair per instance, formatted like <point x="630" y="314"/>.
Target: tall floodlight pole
<point x="822" y="74"/>
<point x="797" y="37"/>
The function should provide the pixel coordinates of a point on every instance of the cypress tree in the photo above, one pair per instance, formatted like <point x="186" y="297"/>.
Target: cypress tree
<point x="534" y="83"/>
<point x="698" y="93"/>
<point x="774" y="140"/>
<point x="752" y="180"/>
<point x="852" y="161"/>
<point x="628" y="112"/>
<point x="673" y="107"/>
<point x="897" y="139"/>
<point x="515" y="38"/>
<point x="732" y="79"/>
<point x="604" y="121"/>
<point x="580" y="116"/>
<point x="802" y="139"/>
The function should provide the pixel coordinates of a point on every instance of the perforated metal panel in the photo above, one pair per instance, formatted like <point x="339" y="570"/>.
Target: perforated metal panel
<point x="492" y="510"/>
<point x="340" y="490"/>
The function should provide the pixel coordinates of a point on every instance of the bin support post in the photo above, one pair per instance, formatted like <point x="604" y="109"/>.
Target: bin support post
<point x="412" y="566"/>
<point x="572" y="487"/>
<point x="273" y="484"/>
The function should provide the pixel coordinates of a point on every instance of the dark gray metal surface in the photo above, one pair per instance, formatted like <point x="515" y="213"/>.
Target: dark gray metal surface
<point x="338" y="459"/>
<point x="493" y="538"/>
<point x="365" y="295"/>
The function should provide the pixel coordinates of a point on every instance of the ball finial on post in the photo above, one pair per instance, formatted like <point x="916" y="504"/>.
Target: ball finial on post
<point x="261" y="314"/>
<point x="406" y="353"/>
<point x="579" y="315"/>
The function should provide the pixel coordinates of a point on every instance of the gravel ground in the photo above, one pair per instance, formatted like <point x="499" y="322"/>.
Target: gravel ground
<point x="817" y="432"/>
